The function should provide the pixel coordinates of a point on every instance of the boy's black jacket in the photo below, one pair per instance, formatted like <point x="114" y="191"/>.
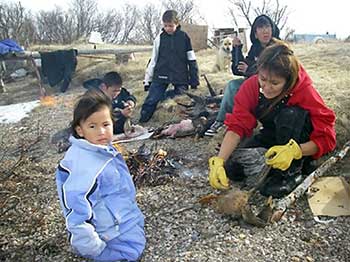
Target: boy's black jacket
<point x="172" y="65"/>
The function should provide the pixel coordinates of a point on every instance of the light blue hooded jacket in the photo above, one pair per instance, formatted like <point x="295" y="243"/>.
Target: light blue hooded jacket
<point x="97" y="196"/>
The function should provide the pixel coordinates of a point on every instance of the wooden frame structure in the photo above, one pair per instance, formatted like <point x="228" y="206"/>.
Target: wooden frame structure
<point x="120" y="54"/>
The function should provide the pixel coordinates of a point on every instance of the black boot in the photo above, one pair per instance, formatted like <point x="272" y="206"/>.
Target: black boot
<point x="278" y="185"/>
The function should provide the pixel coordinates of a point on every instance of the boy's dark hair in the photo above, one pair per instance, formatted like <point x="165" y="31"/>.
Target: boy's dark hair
<point x="92" y="101"/>
<point x="170" y="16"/>
<point x="261" y="22"/>
<point x="112" y="78"/>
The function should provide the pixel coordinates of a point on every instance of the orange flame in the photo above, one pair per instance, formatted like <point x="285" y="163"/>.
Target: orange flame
<point x="48" y="101"/>
<point x="122" y="150"/>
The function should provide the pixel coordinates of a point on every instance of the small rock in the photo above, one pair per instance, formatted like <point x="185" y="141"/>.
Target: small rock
<point x="309" y="259"/>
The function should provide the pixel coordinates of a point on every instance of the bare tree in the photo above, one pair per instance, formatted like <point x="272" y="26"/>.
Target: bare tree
<point x="109" y="24"/>
<point x="15" y="22"/>
<point x="244" y="8"/>
<point x="149" y="25"/>
<point x="289" y="32"/>
<point x="185" y="9"/>
<point x="84" y="11"/>
<point x="56" y="26"/>
<point x="130" y="13"/>
<point x="29" y="33"/>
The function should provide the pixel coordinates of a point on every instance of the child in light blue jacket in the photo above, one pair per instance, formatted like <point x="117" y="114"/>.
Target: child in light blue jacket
<point x="95" y="188"/>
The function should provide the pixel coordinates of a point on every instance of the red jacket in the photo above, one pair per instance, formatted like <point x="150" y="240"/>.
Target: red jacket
<point x="243" y="120"/>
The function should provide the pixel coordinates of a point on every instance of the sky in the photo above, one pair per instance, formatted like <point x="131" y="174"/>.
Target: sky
<point x="306" y="16"/>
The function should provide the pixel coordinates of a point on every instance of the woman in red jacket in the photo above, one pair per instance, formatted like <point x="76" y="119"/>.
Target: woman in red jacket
<point x="297" y="126"/>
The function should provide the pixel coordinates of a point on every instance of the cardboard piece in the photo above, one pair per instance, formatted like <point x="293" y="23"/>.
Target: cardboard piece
<point x="330" y="196"/>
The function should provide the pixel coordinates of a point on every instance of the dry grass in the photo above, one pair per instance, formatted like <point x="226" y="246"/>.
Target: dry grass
<point x="328" y="65"/>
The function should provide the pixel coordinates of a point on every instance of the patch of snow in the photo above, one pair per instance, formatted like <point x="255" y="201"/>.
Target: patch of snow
<point x="15" y="112"/>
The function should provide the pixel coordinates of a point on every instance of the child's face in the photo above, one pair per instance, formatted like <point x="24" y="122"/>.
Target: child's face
<point x="97" y="128"/>
<point x="169" y="27"/>
<point x="112" y="91"/>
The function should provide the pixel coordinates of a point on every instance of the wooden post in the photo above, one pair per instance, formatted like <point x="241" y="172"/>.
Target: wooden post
<point x="2" y="73"/>
<point x="30" y="56"/>
<point x="37" y="73"/>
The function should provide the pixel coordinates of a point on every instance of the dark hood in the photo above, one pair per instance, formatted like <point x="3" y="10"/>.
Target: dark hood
<point x="275" y="30"/>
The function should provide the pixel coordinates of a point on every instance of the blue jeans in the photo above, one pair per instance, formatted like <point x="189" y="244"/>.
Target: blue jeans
<point x="227" y="102"/>
<point x="157" y="92"/>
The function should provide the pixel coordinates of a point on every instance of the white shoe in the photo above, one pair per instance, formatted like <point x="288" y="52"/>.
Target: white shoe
<point x="214" y="128"/>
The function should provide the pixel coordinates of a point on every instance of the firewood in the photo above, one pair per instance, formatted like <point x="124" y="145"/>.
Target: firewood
<point x="281" y="205"/>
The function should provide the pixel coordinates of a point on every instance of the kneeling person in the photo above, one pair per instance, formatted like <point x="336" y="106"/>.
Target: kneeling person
<point x="297" y="125"/>
<point x="123" y="103"/>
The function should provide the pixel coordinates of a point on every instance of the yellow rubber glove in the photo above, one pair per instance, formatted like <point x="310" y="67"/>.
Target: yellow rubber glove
<point x="217" y="173"/>
<point x="282" y="156"/>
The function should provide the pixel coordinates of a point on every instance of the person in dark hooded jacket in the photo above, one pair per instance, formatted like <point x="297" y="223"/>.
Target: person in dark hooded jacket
<point x="262" y="33"/>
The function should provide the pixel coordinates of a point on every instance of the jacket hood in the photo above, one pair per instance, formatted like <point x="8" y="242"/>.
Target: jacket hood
<point x="275" y="29"/>
<point x="303" y="80"/>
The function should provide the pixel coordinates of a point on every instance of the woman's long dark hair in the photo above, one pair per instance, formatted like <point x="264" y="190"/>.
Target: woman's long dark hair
<point x="280" y="60"/>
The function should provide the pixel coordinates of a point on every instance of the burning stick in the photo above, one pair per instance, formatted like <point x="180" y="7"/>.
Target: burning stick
<point x="281" y="205"/>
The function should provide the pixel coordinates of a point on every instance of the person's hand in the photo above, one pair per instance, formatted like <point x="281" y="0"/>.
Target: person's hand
<point x="242" y="67"/>
<point x="217" y="173"/>
<point x="281" y="157"/>
<point x="128" y="108"/>
<point x="236" y="41"/>
<point x="131" y="103"/>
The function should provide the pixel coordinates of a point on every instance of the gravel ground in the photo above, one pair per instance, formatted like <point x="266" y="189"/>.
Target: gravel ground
<point x="178" y="228"/>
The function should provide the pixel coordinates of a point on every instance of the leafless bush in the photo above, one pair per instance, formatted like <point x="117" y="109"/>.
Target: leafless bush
<point x="185" y="9"/>
<point x="149" y="25"/>
<point x="16" y="23"/>
<point x="129" y="25"/>
<point x="84" y="12"/>
<point x="244" y="8"/>
<point x="289" y="32"/>
<point x="55" y="26"/>
<point x="131" y="14"/>
<point x="109" y="24"/>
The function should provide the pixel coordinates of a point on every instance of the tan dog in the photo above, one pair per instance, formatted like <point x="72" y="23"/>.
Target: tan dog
<point x="223" y="56"/>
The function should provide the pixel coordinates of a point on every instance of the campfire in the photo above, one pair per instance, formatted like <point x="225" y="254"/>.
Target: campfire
<point x="148" y="167"/>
